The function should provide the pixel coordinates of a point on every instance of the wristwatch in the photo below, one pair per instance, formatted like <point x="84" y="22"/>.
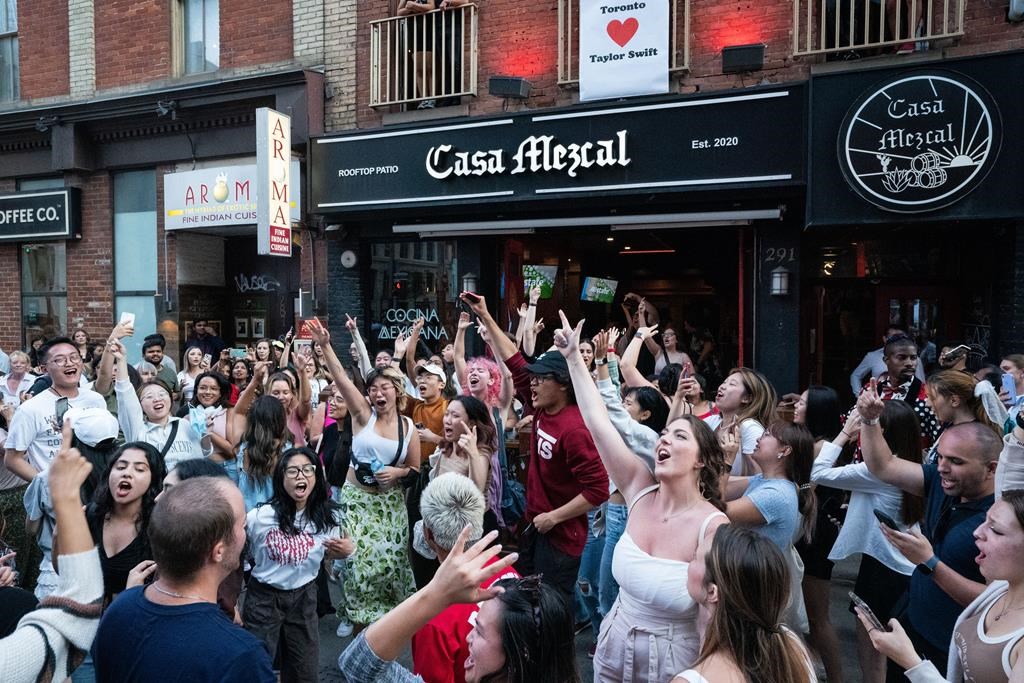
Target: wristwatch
<point x="929" y="565"/>
<point x="600" y="361"/>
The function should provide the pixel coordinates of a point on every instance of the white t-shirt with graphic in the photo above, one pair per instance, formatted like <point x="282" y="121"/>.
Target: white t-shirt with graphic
<point x="34" y="425"/>
<point x="284" y="561"/>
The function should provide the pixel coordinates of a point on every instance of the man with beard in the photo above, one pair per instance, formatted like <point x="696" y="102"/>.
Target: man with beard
<point x="196" y="533"/>
<point x="958" y="491"/>
<point x="899" y="382"/>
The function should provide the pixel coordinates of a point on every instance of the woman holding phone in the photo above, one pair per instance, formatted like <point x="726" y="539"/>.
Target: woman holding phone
<point x="988" y="638"/>
<point x="884" y="573"/>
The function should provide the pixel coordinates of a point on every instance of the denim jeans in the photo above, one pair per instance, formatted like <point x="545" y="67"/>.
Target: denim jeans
<point x="615" y="524"/>
<point x="588" y="582"/>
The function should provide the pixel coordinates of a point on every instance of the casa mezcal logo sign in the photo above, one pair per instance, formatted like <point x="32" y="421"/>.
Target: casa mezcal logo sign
<point x="919" y="142"/>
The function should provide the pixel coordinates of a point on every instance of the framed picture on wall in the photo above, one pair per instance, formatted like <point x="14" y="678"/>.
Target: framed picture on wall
<point x="258" y="327"/>
<point x="241" y="328"/>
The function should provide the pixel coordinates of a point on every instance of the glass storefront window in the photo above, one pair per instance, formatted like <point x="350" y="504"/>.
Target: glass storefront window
<point x="44" y="306"/>
<point x="409" y="280"/>
<point x="135" y="252"/>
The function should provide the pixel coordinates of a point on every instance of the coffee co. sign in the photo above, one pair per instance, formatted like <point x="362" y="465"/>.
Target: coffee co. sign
<point x="919" y="142"/>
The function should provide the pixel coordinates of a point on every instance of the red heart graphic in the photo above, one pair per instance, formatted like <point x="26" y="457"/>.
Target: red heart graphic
<point x="622" y="31"/>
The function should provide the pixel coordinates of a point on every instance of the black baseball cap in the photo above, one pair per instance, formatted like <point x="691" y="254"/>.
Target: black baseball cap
<point x="551" y="363"/>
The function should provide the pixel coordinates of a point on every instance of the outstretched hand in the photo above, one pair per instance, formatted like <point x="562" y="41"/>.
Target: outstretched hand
<point x="318" y="332"/>
<point x="869" y="404"/>
<point x="476" y="303"/>
<point x="567" y="338"/>
<point x="729" y="440"/>
<point x="467" y="441"/>
<point x="458" y="578"/>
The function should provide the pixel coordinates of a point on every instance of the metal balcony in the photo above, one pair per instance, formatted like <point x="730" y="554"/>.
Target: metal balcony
<point x="423" y="58"/>
<point x="864" y="27"/>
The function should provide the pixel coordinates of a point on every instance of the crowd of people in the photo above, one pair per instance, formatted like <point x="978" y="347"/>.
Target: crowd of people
<point x="691" y="517"/>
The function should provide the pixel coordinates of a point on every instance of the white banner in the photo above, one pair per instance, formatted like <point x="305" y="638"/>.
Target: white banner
<point x="216" y="196"/>
<point x="273" y="183"/>
<point x="623" y="48"/>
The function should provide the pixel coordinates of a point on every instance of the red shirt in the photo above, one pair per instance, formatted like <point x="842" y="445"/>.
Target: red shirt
<point x="563" y="464"/>
<point x="439" y="649"/>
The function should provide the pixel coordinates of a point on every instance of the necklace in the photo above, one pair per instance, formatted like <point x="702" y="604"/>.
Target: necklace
<point x="1007" y="608"/>
<point x="172" y="594"/>
<point x="689" y="507"/>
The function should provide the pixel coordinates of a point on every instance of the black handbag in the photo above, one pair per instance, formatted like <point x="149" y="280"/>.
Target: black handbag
<point x="365" y="475"/>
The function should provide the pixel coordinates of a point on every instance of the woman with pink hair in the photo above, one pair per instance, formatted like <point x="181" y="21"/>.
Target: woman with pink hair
<point x="490" y="383"/>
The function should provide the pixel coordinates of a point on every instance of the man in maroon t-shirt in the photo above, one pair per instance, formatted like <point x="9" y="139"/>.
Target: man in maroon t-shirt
<point x="566" y="478"/>
<point x="448" y="504"/>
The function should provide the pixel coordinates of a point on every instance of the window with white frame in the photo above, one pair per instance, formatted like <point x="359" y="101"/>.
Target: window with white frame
<point x="200" y="34"/>
<point x="8" y="50"/>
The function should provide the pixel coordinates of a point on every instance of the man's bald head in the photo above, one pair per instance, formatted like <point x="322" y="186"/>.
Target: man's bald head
<point x="973" y="438"/>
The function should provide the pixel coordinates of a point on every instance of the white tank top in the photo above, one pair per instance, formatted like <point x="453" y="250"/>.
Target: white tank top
<point x="654" y="585"/>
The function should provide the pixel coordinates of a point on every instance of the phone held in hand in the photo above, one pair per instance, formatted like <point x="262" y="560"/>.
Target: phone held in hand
<point x="1010" y="387"/>
<point x="127" y="319"/>
<point x="207" y="358"/>
<point x="858" y="602"/>
<point x="886" y="520"/>
<point x="238" y="353"/>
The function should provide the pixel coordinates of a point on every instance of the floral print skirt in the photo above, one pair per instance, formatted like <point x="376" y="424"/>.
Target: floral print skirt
<point x="378" y="576"/>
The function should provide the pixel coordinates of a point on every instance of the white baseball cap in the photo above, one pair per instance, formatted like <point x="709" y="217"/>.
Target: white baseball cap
<point x="92" y="425"/>
<point x="433" y="369"/>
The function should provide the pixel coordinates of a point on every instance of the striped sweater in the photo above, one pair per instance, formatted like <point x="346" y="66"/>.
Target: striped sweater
<point x="53" y="639"/>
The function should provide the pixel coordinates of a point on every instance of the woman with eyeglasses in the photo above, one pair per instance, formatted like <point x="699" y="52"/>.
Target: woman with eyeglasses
<point x="384" y="452"/>
<point x="289" y="537"/>
<point x="523" y="632"/>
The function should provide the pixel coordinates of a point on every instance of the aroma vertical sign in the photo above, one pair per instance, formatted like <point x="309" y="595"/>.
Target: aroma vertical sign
<point x="273" y="176"/>
<point x="623" y="48"/>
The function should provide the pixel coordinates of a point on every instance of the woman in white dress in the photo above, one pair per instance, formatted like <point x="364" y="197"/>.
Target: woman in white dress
<point x="651" y="632"/>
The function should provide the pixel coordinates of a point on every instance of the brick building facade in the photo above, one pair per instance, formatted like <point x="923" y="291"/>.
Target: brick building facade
<point x="105" y="94"/>
<point x="943" y="295"/>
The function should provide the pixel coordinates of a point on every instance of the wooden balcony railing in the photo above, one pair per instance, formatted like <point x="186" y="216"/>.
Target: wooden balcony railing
<point x="857" y="27"/>
<point x="423" y="58"/>
<point x="569" y="39"/>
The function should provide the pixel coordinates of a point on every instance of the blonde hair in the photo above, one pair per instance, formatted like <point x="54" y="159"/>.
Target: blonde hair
<point x="761" y="395"/>
<point x="396" y="378"/>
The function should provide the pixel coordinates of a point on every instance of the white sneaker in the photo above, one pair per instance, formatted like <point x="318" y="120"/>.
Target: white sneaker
<point x="345" y="629"/>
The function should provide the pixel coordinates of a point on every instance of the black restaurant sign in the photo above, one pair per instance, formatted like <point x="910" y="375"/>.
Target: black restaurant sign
<point x="42" y="215"/>
<point x="652" y="146"/>
<point x="920" y="143"/>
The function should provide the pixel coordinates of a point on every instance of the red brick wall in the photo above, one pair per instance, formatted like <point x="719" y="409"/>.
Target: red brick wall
<point x="90" y="264"/>
<point x="43" y="48"/>
<point x="255" y="32"/>
<point x="10" y="297"/>
<point x="133" y="41"/>
<point x="521" y="39"/>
